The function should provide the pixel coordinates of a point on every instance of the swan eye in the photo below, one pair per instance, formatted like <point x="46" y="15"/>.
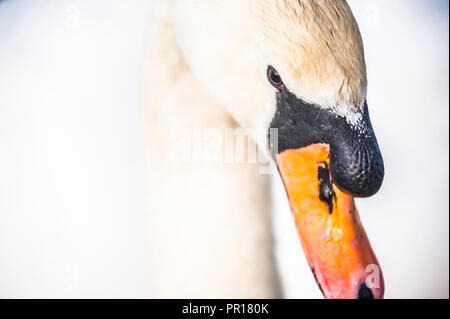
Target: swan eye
<point x="274" y="78"/>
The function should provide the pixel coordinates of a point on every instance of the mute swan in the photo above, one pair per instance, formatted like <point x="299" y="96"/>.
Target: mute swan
<point x="294" y="65"/>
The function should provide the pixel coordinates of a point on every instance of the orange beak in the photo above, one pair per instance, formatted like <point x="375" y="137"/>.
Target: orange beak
<point x="333" y="238"/>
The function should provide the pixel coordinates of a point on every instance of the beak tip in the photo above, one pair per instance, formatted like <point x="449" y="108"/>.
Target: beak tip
<point x="365" y="292"/>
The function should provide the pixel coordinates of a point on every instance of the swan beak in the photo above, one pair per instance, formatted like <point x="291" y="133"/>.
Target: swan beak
<point x="333" y="238"/>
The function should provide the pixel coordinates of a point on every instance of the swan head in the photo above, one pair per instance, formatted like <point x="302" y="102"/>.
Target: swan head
<point x="325" y="149"/>
<point x="298" y="66"/>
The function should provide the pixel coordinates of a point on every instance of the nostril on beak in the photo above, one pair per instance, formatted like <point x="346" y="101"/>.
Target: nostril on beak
<point x="364" y="292"/>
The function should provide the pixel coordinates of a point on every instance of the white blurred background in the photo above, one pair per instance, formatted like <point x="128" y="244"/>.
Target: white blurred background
<point x="73" y="188"/>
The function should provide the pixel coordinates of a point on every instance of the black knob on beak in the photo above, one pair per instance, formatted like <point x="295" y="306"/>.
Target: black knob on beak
<point x="356" y="163"/>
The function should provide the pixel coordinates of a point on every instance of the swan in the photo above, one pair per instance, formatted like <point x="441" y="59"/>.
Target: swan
<point x="294" y="70"/>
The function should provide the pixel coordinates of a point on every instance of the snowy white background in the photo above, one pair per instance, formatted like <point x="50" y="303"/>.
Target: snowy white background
<point x="73" y="185"/>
